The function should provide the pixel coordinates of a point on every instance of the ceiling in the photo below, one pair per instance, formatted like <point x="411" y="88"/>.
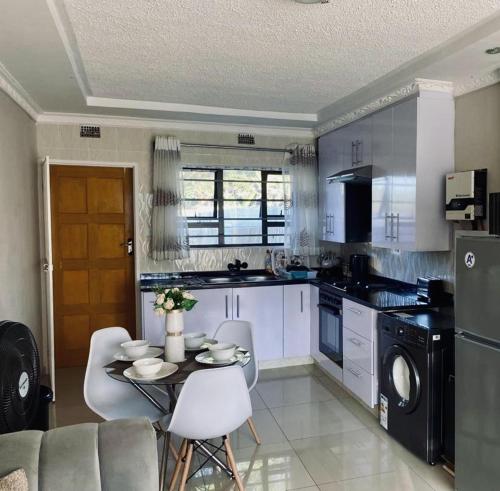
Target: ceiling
<point x="265" y="61"/>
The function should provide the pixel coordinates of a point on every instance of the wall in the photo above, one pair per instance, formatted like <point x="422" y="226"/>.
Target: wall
<point x="477" y="146"/>
<point x="20" y="279"/>
<point x="123" y="144"/>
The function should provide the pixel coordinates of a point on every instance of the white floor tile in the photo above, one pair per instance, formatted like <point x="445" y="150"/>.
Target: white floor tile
<point x="401" y="480"/>
<point x="291" y="391"/>
<point x="264" y="468"/>
<point x="257" y="402"/>
<point x="267" y="428"/>
<point x="315" y="419"/>
<point x="345" y="455"/>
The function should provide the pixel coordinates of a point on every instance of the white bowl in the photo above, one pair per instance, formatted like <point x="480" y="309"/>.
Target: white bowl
<point x="147" y="366"/>
<point x="222" y="351"/>
<point x="135" y="348"/>
<point x="194" y="340"/>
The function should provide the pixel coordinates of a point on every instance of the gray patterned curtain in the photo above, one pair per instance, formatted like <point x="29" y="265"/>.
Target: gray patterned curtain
<point x="169" y="239"/>
<point x="301" y="201"/>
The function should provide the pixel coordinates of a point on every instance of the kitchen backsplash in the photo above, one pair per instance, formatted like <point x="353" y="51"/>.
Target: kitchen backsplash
<point x="403" y="266"/>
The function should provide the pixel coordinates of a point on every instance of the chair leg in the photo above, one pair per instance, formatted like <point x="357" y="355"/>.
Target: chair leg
<point x="232" y="462"/>
<point x="187" y="465"/>
<point x="253" y="429"/>
<point x="164" y="459"/>
<point x="173" y="450"/>
<point x="178" y="465"/>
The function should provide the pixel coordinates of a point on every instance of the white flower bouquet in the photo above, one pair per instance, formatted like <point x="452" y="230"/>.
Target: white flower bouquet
<point x="169" y="299"/>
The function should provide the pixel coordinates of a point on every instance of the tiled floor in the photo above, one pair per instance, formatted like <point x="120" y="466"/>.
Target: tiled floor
<point x="314" y="436"/>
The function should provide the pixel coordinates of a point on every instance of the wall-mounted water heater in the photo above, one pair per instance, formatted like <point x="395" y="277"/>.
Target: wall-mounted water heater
<point x="466" y="195"/>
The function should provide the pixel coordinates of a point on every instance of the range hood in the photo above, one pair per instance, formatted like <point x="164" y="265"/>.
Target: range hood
<point x="356" y="175"/>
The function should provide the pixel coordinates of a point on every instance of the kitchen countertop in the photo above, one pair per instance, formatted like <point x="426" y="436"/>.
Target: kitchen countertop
<point x="395" y="296"/>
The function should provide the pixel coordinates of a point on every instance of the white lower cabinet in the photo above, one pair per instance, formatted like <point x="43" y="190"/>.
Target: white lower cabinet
<point x="359" y="345"/>
<point x="214" y="306"/>
<point x="297" y="320"/>
<point x="263" y="307"/>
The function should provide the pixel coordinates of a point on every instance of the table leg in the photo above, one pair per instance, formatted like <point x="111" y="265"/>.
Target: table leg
<point x="150" y="398"/>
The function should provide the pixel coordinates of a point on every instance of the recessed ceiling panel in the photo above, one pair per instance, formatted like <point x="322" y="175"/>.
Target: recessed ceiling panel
<point x="266" y="55"/>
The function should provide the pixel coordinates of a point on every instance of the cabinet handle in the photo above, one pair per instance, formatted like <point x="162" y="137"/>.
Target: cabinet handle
<point x="387" y="236"/>
<point x="328" y="223"/>
<point x="333" y="223"/>
<point x="353" y="154"/>
<point x="355" y="341"/>
<point x="359" y="152"/>
<point x="227" y="307"/>
<point x="238" y="306"/>
<point x="354" y="372"/>
<point x="354" y="311"/>
<point x="392" y="226"/>
<point x="397" y="226"/>
<point x="301" y="301"/>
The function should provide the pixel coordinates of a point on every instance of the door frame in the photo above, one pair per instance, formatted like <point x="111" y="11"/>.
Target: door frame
<point x="48" y="355"/>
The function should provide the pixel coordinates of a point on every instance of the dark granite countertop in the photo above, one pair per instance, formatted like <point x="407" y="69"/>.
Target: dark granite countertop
<point x="389" y="294"/>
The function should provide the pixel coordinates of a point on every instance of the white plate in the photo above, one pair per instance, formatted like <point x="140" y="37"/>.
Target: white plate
<point x="206" y="358"/>
<point x="205" y="345"/>
<point x="151" y="352"/>
<point x="165" y="370"/>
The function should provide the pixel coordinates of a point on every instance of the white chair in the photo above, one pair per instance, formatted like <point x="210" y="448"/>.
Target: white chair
<point x="240" y="333"/>
<point x="112" y="399"/>
<point x="212" y="404"/>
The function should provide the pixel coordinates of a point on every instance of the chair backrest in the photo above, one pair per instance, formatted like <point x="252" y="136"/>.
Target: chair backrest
<point x="99" y="389"/>
<point x="212" y="403"/>
<point x="240" y="333"/>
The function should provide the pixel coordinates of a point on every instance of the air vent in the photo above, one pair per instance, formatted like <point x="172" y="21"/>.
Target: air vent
<point x="244" y="139"/>
<point x="90" y="132"/>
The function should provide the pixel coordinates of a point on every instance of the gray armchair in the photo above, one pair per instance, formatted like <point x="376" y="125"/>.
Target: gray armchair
<point x="118" y="455"/>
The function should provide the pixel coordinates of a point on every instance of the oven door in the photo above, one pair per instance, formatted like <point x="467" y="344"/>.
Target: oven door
<point x="330" y="332"/>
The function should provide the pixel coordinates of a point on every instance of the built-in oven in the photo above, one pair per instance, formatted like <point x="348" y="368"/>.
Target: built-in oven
<point x="330" y="325"/>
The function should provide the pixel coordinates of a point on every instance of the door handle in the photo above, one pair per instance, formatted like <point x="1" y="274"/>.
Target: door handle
<point x="129" y="244"/>
<point x="238" y="306"/>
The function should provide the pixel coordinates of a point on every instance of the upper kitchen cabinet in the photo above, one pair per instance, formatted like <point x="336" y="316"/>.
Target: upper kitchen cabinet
<point x="360" y="142"/>
<point x="412" y="150"/>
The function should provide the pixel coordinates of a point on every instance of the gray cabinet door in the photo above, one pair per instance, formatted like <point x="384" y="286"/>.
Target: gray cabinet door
<point x="477" y="419"/>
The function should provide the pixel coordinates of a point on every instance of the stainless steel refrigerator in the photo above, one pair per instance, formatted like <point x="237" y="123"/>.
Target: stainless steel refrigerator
<point x="477" y="364"/>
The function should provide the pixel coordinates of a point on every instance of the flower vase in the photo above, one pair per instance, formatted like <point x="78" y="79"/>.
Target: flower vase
<point x="174" y="338"/>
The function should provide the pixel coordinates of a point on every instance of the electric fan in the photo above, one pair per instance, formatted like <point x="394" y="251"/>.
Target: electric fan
<point x="19" y="377"/>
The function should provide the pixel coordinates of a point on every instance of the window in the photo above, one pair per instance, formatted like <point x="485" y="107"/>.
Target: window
<point x="234" y="207"/>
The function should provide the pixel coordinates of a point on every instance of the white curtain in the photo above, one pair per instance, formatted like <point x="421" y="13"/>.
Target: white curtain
<point x="169" y="238"/>
<point x="301" y="201"/>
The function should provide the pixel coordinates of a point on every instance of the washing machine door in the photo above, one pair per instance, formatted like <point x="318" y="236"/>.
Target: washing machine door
<point x="401" y="377"/>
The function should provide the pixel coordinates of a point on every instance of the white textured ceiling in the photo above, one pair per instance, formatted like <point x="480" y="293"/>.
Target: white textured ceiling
<point x="268" y="55"/>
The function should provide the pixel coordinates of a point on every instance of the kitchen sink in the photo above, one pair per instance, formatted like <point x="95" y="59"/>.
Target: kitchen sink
<point x="258" y="278"/>
<point x="223" y="279"/>
<point x="238" y="279"/>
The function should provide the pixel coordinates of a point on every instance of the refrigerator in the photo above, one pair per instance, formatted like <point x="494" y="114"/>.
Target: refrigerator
<point x="477" y="364"/>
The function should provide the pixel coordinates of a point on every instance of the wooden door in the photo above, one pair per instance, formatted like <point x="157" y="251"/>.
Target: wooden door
<point x="92" y="220"/>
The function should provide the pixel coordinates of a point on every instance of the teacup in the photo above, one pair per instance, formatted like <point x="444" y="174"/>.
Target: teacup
<point x="222" y="351"/>
<point x="193" y="340"/>
<point x="147" y="366"/>
<point x="136" y="348"/>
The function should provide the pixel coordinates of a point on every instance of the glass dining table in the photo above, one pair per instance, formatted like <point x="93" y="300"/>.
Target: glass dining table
<point x="170" y="383"/>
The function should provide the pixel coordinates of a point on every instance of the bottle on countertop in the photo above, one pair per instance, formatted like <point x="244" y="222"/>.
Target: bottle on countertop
<point x="268" y="262"/>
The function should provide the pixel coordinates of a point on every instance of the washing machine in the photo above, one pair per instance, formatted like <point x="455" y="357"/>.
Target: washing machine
<point x="415" y="349"/>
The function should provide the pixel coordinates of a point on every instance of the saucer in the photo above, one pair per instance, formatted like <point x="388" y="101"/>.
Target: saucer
<point x="206" y="358"/>
<point x="165" y="370"/>
<point x="205" y="345"/>
<point x="151" y="352"/>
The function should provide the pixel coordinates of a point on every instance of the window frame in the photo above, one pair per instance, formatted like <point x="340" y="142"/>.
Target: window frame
<point x="216" y="221"/>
